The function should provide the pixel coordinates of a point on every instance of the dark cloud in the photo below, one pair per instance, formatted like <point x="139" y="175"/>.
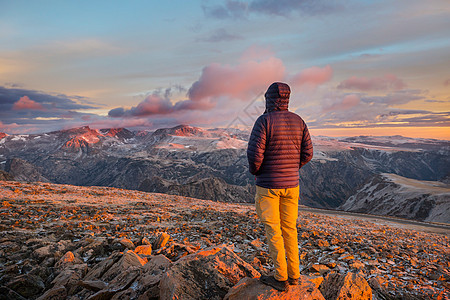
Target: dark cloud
<point x="220" y="35"/>
<point x="8" y="96"/>
<point x="435" y="101"/>
<point x="241" y="9"/>
<point x="38" y="110"/>
<point x="117" y="112"/>
<point x="230" y="10"/>
<point x="367" y="119"/>
<point x="373" y="112"/>
<point x="12" y="85"/>
<point x="419" y="118"/>
<point x="395" y="98"/>
<point x="405" y="112"/>
<point x="287" y="7"/>
<point x="383" y="83"/>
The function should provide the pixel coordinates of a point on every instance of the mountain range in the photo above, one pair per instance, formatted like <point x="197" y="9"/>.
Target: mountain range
<point x="345" y="173"/>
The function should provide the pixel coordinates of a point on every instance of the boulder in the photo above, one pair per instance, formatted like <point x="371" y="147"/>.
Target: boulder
<point x="207" y="274"/>
<point x="146" y="241"/>
<point x="8" y="294"/>
<point x="143" y="250"/>
<point x="101" y="268"/>
<point x="124" y="280"/>
<point x="253" y="289"/>
<point x="93" y="285"/>
<point x="128" y="260"/>
<point x="102" y="295"/>
<point x="95" y="247"/>
<point x="127" y="243"/>
<point x="161" y="240"/>
<point x="43" y="252"/>
<point x="175" y="251"/>
<point x="27" y="285"/>
<point x="319" y="268"/>
<point x="66" y="260"/>
<point x="56" y="293"/>
<point x="118" y="288"/>
<point x="317" y="280"/>
<point x="127" y="294"/>
<point x="345" y="287"/>
<point x="148" y="282"/>
<point x="70" y="277"/>
<point x="356" y="264"/>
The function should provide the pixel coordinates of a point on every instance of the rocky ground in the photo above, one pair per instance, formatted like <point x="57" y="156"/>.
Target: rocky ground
<point x="69" y="242"/>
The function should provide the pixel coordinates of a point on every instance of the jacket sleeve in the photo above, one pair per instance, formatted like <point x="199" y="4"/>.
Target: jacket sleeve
<point x="307" y="147"/>
<point x="256" y="146"/>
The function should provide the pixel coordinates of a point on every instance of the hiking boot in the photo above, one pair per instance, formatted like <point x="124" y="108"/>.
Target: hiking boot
<point x="276" y="284"/>
<point x="293" y="281"/>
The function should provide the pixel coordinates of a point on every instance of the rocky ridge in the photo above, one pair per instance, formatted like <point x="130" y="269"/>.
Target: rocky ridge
<point x="393" y="195"/>
<point x="69" y="242"/>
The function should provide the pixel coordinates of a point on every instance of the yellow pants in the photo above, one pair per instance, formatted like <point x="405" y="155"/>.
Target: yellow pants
<point x="278" y="211"/>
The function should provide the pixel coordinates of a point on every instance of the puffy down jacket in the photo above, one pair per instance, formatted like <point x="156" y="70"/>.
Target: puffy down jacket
<point x="280" y="143"/>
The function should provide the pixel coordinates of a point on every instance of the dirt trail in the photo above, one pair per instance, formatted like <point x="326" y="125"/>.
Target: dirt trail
<point x="384" y="220"/>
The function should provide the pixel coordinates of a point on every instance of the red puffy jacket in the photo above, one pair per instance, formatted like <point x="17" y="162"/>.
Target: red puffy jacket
<point x="280" y="143"/>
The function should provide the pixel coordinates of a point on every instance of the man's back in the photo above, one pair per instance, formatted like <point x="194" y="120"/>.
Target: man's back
<point x="279" y="145"/>
<point x="275" y="149"/>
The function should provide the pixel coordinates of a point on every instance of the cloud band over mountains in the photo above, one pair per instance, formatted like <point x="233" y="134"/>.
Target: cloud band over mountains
<point x="222" y="91"/>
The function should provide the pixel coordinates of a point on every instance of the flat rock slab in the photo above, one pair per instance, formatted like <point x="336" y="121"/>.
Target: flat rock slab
<point x="206" y="274"/>
<point x="350" y="286"/>
<point x="253" y="289"/>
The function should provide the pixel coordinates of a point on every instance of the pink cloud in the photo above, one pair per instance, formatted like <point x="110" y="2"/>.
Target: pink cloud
<point x="154" y="104"/>
<point x="386" y="82"/>
<point x="220" y="85"/>
<point x="346" y="103"/>
<point x="151" y="105"/>
<point x="26" y="103"/>
<point x="447" y="82"/>
<point x="312" y="77"/>
<point x="239" y="82"/>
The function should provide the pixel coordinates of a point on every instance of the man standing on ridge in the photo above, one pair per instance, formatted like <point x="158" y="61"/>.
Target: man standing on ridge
<point x="279" y="146"/>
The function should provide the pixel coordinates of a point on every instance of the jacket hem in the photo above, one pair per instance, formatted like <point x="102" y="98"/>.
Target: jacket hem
<point x="278" y="187"/>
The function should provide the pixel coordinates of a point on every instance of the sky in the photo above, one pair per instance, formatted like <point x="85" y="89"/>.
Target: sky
<point x="354" y="67"/>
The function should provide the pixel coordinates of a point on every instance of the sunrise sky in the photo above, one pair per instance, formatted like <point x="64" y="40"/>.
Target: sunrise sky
<point x="354" y="67"/>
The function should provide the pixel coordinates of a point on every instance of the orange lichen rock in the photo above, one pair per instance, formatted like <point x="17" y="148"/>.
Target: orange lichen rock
<point x="346" y="287"/>
<point x="143" y="250"/>
<point x="220" y="269"/>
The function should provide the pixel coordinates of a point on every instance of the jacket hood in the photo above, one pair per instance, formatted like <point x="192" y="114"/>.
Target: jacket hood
<point x="277" y="97"/>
